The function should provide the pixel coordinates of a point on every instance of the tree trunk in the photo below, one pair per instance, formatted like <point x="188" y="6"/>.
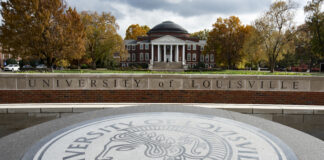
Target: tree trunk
<point x="50" y="64"/>
<point x="94" y="65"/>
<point x="272" y="66"/>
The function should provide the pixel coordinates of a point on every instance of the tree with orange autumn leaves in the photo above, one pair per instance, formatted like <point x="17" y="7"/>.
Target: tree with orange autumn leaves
<point x="226" y="40"/>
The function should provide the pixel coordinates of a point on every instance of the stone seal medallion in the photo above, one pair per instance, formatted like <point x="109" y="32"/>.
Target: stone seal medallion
<point x="160" y="136"/>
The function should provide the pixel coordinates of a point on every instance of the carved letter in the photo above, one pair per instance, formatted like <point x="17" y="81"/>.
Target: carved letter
<point x="105" y="83"/>
<point x="239" y="84"/>
<point x="206" y="84"/>
<point x="46" y="83"/>
<point x="295" y="85"/>
<point x="81" y="83"/>
<point x="271" y="87"/>
<point x="171" y="83"/>
<point x="68" y="82"/>
<point x="219" y="85"/>
<point x="93" y="83"/>
<point x="282" y="85"/>
<point x="161" y="84"/>
<point x="251" y="84"/>
<point x="32" y="85"/>
<point x="193" y="84"/>
<point x="126" y="83"/>
<point x="137" y="82"/>
<point x="262" y="84"/>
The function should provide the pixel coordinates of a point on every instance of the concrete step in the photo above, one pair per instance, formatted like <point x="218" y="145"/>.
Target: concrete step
<point x="167" y="66"/>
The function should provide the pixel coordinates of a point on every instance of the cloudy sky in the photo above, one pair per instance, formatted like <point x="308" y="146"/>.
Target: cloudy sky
<point x="193" y="15"/>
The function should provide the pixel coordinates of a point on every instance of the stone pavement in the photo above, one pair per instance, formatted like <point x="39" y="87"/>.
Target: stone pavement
<point x="14" y="117"/>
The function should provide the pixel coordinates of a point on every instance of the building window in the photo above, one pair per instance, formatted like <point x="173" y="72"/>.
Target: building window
<point x="188" y="47"/>
<point x="206" y="66"/>
<point x="141" y="57"/>
<point x="147" y="46"/>
<point x="194" y="47"/>
<point x="202" y="58"/>
<point x="147" y="56"/>
<point x="134" y="57"/>
<point x="129" y="47"/>
<point x="141" y="46"/>
<point x="129" y="57"/>
<point x="202" y="48"/>
<point x="194" y="57"/>
<point x="134" y="46"/>
<point x="207" y="57"/>
<point x="189" y="57"/>
<point x="212" y="59"/>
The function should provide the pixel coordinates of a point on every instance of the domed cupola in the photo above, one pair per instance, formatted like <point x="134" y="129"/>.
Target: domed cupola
<point x="168" y="27"/>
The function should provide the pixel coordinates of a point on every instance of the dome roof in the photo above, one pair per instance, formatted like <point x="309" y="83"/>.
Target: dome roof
<point x="168" y="26"/>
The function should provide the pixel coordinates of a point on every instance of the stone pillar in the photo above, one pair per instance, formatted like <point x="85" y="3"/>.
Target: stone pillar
<point x="177" y="54"/>
<point x="159" y="53"/>
<point x="171" y="53"/>
<point x="164" y="53"/>
<point x="183" y="55"/>
<point x="152" y="53"/>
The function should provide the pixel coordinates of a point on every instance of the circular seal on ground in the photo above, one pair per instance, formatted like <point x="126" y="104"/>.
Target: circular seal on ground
<point x="161" y="136"/>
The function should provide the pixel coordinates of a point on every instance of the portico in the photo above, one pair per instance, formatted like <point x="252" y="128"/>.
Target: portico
<point x="169" y="49"/>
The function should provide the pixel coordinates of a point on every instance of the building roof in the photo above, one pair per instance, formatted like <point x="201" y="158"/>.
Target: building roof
<point x="169" y="27"/>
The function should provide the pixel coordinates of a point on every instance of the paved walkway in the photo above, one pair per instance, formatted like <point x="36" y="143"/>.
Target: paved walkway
<point x="307" y="118"/>
<point x="84" y="107"/>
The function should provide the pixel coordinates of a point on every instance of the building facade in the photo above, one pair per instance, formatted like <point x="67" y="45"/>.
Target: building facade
<point x="168" y="45"/>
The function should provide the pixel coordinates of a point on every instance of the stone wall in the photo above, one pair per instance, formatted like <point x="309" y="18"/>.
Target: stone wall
<point x="65" y="88"/>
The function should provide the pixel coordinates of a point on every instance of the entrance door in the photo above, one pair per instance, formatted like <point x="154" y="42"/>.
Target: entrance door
<point x="168" y="58"/>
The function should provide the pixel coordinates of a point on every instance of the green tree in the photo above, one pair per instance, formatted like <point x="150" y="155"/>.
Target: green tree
<point x="315" y="24"/>
<point x="102" y="40"/>
<point x="276" y="30"/>
<point x="252" y="50"/>
<point x="202" y="35"/>
<point x="42" y="28"/>
<point x="305" y="52"/>
<point x="135" y="30"/>
<point x="226" y="41"/>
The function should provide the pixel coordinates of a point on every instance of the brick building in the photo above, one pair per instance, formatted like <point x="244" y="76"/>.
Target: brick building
<point x="167" y="46"/>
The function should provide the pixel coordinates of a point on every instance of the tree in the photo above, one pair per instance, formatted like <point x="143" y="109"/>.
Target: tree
<point x="315" y="24"/>
<point x="252" y="50"/>
<point x="276" y="30"/>
<point x="135" y="30"/>
<point x="41" y="28"/>
<point x="304" y="50"/>
<point x="102" y="40"/>
<point x="226" y="41"/>
<point x="202" y="35"/>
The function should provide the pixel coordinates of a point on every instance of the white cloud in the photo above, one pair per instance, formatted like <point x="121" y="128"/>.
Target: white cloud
<point x="128" y="14"/>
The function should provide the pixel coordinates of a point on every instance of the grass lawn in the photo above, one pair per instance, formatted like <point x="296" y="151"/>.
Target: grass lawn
<point x="240" y="72"/>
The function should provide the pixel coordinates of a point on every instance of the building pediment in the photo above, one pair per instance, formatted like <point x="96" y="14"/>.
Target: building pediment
<point x="168" y="40"/>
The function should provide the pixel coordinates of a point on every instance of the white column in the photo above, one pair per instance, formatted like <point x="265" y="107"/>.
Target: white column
<point x="159" y="53"/>
<point x="164" y="53"/>
<point x="183" y="55"/>
<point x="152" y="54"/>
<point x="177" y="54"/>
<point x="171" y="53"/>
